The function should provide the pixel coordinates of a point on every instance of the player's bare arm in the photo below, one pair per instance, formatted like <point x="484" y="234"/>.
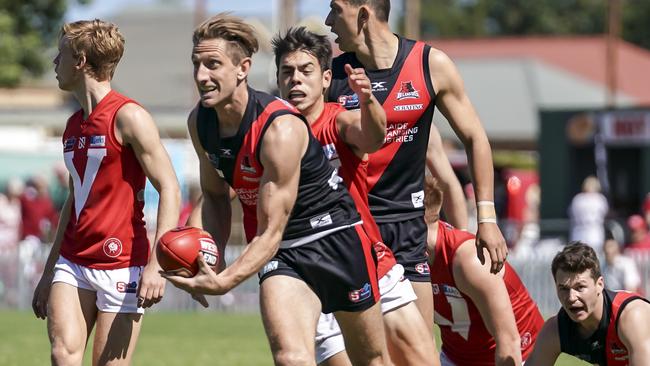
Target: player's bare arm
<point x="634" y="331"/>
<point x="283" y="146"/>
<point x="547" y="347"/>
<point x="438" y="163"/>
<point x="363" y="130"/>
<point x="489" y="293"/>
<point x="135" y="127"/>
<point x="42" y="291"/>
<point x="215" y="212"/>
<point x="455" y="105"/>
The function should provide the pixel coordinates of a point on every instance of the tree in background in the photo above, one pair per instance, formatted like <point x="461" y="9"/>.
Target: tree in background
<point x="483" y="18"/>
<point x="27" y="28"/>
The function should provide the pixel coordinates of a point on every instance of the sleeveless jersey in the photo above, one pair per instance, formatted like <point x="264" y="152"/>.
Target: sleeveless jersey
<point x="353" y="171"/>
<point x="106" y="228"/>
<point x="603" y="347"/>
<point x="322" y="202"/>
<point x="465" y="339"/>
<point x="396" y="171"/>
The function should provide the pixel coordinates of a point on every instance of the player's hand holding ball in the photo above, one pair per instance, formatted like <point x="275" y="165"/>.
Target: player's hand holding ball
<point x="189" y="258"/>
<point x="179" y="249"/>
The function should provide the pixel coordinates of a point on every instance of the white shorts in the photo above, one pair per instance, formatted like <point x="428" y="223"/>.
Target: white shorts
<point x="395" y="291"/>
<point x="116" y="288"/>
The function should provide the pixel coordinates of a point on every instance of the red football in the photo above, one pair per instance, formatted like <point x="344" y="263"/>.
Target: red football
<point x="179" y="248"/>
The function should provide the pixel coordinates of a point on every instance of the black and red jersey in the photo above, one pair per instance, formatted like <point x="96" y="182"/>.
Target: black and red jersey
<point x="396" y="171"/>
<point x="353" y="171"/>
<point x="322" y="202"/>
<point x="603" y="347"/>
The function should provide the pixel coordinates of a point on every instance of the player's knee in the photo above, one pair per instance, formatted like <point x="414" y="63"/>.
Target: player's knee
<point x="63" y="354"/>
<point x="293" y="357"/>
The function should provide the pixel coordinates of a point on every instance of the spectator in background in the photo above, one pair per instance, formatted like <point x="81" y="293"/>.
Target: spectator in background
<point x="620" y="271"/>
<point x="587" y="213"/>
<point x="10" y="215"/>
<point x="639" y="238"/>
<point x="37" y="211"/>
<point x="646" y="209"/>
<point x="59" y="189"/>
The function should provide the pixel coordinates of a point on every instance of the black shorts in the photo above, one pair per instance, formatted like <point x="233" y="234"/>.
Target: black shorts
<point x="408" y="241"/>
<point x="340" y="268"/>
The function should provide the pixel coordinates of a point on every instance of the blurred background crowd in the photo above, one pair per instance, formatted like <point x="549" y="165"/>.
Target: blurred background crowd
<point x="561" y="88"/>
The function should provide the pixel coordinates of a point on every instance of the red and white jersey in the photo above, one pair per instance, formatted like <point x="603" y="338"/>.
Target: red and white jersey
<point x="354" y="172"/>
<point x="465" y="339"/>
<point x="106" y="228"/>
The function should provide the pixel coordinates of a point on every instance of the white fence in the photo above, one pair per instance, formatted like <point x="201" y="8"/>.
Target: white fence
<point x="20" y="271"/>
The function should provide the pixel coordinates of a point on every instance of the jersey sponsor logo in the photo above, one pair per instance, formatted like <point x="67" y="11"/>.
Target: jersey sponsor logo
<point x="127" y="287"/>
<point x="250" y="179"/>
<point x="140" y="195"/>
<point x="208" y="248"/>
<point x="349" y="101"/>
<point x="320" y="220"/>
<point x="435" y="288"/>
<point x="330" y="151"/>
<point x="379" y="86"/>
<point x="380" y="249"/>
<point x="526" y="340"/>
<point x="271" y="266"/>
<point x="247" y="196"/>
<point x="361" y="294"/>
<point x="408" y="107"/>
<point x="98" y="141"/>
<point x="82" y="189"/>
<point x="225" y="153"/>
<point x="407" y="91"/>
<point x="246" y="165"/>
<point x="422" y="268"/>
<point x="69" y="144"/>
<point x="400" y="132"/>
<point x="451" y="291"/>
<point x="417" y="198"/>
<point x="112" y="247"/>
<point x="82" y="142"/>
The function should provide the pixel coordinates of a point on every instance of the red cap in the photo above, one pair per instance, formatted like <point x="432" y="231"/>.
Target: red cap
<point x="636" y="222"/>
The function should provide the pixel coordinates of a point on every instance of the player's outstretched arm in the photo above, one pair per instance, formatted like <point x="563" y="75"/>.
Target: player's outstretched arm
<point x="634" y="331"/>
<point x="453" y="204"/>
<point x="365" y="129"/>
<point x="42" y="291"/>
<point x="547" y="347"/>
<point x="455" y="105"/>
<point x="489" y="293"/>
<point x="135" y="127"/>
<point x="282" y="148"/>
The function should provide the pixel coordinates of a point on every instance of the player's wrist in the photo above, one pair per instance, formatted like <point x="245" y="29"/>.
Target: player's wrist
<point x="486" y="212"/>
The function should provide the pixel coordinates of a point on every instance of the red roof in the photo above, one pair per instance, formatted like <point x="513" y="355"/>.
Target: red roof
<point x="584" y="56"/>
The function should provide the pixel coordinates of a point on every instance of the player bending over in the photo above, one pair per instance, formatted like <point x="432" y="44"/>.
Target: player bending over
<point x="484" y="319"/>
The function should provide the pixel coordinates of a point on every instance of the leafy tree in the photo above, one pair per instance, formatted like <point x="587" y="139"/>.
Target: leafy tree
<point x="481" y="18"/>
<point x="27" y="27"/>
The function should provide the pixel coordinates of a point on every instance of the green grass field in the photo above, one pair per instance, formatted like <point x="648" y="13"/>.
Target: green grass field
<point x="184" y="339"/>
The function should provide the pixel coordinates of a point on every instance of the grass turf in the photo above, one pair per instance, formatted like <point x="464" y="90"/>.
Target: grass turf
<point x="166" y="339"/>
